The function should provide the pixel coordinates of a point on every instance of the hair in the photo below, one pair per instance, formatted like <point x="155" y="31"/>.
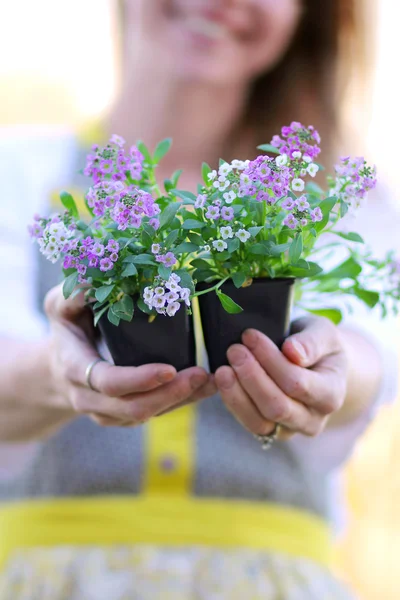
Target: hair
<point x="309" y="81"/>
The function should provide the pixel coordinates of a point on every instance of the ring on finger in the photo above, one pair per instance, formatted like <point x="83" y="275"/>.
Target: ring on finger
<point x="89" y="371"/>
<point x="266" y="441"/>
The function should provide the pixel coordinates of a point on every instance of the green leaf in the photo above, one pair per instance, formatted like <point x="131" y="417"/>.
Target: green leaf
<point x="113" y="318"/>
<point x="296" y="248"/>
<point x="168" y="185"/>
<point x="185" y="247"/>
<point x="238" y="279"/>
<point x="168" y="214"/>
<point x="205" y="170"/>
<point x="334" y="314"/>
<point x="200" y="263"/>
<point x="103" y="292"/>
<point x="254" y="230"/>
<point x="69" y="204"/>
<point x="348" y="269"/>
<point x="186" y="279"/>
<point x="175" y="177"/>
<point x="351" y="236"/>
<point x="164" y="272"/>
<point x="99" y="314"/>
<point x="371" y="299"/>
<point x="311" y="271"/>
<point x="124" y="308"/>
<point x="70" y="284"/>
<point x="144" y="150"/>
<point x="142" y="259"/>
<point x="188" y="197"/>
<point x="268" y="148"/>
<point x="233" y="245"/>
<point x="129" y="271"/>
<point x="162" y="149"/>
<point x="228" y="304"/>
<point x="278" y="249"/>
<point x="171" y="238"/>
<point x="143" y="307"/>
<point x="343" y="209"/>
<point x="147" y="240"/>
<point x="195" y="238"/>
<point x="314" y="188"/>
<point x="193" y="224"/>
<point x="260" y="249"/>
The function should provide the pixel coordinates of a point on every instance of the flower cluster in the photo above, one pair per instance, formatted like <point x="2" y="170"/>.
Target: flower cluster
<point x="166" y="296"/>
<point x="354" y="179"/>
<point x="131" y="205"/>
<point x="112" y="162"/>
<point x="149" y="249"/>
<point x="296" y="139"/>
<point x="52" y="236"/>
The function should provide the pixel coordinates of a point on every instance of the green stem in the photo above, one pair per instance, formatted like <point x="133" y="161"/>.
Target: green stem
<point x="211" y="289"/>
<point x="153" y="181"/>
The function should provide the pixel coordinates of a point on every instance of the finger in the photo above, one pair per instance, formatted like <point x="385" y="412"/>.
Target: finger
<point x="322" y="388"/>
<point x="206" y="391"/>
<point x="239" y="403"/>
<point x="57" y="307"/>
<point x="319" y="337"/>
<point x="184" y="385"/>
<point x="271" y="401"/>
<point x="118" y="382"/>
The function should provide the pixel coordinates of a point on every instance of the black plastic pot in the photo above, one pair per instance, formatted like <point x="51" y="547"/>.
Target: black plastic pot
<point x="168" y="340"/>
<point x="266" y="306"/>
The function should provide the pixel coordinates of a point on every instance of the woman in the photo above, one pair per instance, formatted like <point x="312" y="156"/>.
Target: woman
<point x="188" y="506"/>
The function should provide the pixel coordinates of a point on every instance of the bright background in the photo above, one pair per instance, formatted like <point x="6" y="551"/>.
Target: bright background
<point x="59" y="68"/>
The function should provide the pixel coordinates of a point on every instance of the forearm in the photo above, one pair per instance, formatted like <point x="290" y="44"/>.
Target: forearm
<point x="365" y="373"/>
<point x="30" y="406"/>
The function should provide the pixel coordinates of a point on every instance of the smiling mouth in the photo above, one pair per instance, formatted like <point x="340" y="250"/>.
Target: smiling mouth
<point x="206" y="27"/>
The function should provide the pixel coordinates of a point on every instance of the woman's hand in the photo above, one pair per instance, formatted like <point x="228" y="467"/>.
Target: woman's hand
<point x="124" y="395"/>
<point x="298" y="387"/>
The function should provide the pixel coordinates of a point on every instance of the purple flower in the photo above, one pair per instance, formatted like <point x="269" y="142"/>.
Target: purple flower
<point x="288" y="204"/>
<point x="114" y="256"/>
<point x="290" y="221"/>
<point x="35" y="230"/>
<point x="227" y="213"/>
<point x="200" y="201"/>
<point x="173" y="308"/>
<point x="106" y="264"/>
<point x="93" y="261"/>
<point x="82" y="269"/>
<point x="302" y="204"/>
<point x="316" y="215"/>
<point x="113" y="246"/>
<point x="213" y="212"/>
<point x="98" y="249"/>
<point x="87" y="242"/>
<point x="154" y="223"/>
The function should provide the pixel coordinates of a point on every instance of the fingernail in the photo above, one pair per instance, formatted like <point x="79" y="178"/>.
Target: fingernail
<point x="197" y="380"/>
<point x="166" y="375"/>
<point x="225" y="378"/>
<point x="250" y="338"/>
<point x="299" y="348"/>
<point x="237" y="356"/>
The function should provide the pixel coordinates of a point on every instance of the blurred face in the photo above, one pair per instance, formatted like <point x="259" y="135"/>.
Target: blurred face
<point x="225" y="41"/>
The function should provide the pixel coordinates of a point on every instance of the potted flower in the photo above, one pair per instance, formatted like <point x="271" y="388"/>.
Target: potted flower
<point x="256" y="233"/>
<point x="122" y="255"/>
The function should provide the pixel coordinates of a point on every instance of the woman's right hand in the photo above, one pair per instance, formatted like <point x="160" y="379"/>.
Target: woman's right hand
<point x="124" y="396"/>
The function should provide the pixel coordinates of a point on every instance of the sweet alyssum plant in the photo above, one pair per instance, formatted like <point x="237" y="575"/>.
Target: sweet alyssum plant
<point x="144" y="248"/>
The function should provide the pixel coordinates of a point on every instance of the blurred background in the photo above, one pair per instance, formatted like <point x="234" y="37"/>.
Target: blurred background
<point x="58" y="67"/>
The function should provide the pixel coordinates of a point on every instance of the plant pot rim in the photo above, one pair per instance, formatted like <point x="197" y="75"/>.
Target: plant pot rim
<point x="254" y="281"/>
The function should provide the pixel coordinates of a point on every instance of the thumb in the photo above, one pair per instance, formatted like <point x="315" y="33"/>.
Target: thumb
<point x="318" y="337"/>
<point x="58" y="308"/>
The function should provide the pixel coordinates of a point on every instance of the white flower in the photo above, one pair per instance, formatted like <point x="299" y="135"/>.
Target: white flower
<point x="303" y="172"/>
<point x="173" y="308"/>
<point x="312" y="169"/>
<point x="171" y="296"/>
<point x="206" y="248"/>
<point x="173" y="286"/>
<point x="174" y="277"/>
<point x="220" y="245"/>
<point x="185" y="295"/>
<point x="148" y="295"/>
<point x="307" y="159"/>
<point x="238" y="164"/>
<point x="156" y="248"/>
<point x="297" y="185"/>
<point x="224" y="169"/>
<point x="296" y="154"/>
<point x="281" y="160"/>
<point x="158" y="302"/>
<point x="226" y="232"/>
<point x="223" y="185"/>
<point x="245" y="179"/>
<point x="243" y="235"/>
<point x="229" y="197"/>
<point x="212" y="175"/>
<point x="159" y="291"/>
<point x="200" y="201"/>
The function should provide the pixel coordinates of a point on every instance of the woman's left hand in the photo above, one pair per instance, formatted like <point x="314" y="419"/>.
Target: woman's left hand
<point x="298" y="387"/>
